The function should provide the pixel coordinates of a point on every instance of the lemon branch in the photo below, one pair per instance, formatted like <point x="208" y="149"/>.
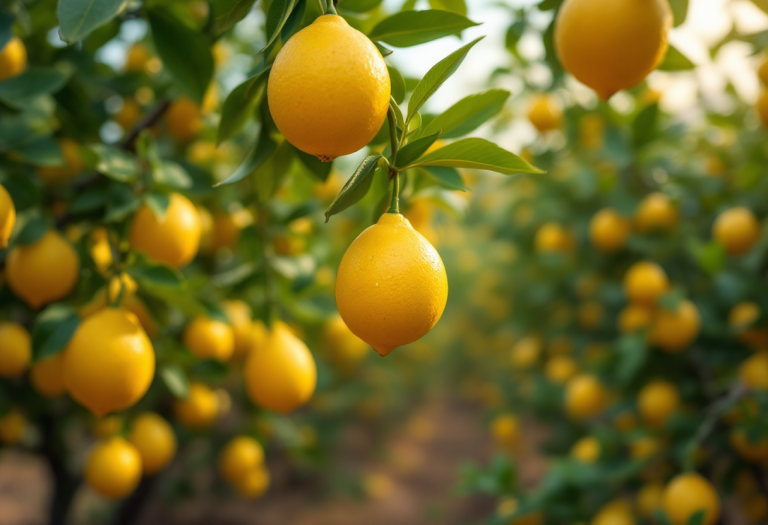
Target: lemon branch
<point x="394" y="205"/>
<point x="331" y="8"/>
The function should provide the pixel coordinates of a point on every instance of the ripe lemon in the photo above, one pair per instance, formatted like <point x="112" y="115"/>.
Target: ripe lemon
<point x="655" y="213"/>
<point x="388" y="262"/>
<point x="609" y="231"/>
<point x="47" y="376"/>
<point x="43" y="271"/>
<point x="208" y="338"/>
<point x="740" y="320"/>
<point x="645" y="282"/>
<point x="13" y="59"/>
<point x="254" y="484"/>
<point x="675" y="331"/>
<point x="526" y="352"/>
<point x="545" y="113"/>
<point x="688" y="494"/>
<point x="585" y="397"/>
<point x="657" y="401"/>
<point x="762" y="106"/>
<point x="13" y="426"/>
<point x="329" y="89"/>
<point x="155" y="441"/>
<point x="109" y="363"/>
<point x="505" y="430"/>
<point x="173" y="240"/>
<point x="560" y="369"/>
<point x="754" y="371"/>
<point x="7" y="217"/>
<point x="73" y="165"/>
<point x="618" y="512"/>
<point x="239" y="314"/>
<point x="751" y="451"/>
<point x="586" y="450"/>
<point x="553" y="238"/>
<point x="341" y="344"/>
<point x="280" y="374"/>
<point x="184" y="120"/>
<point x="15" y="349"/>
<point x="113" y="468"/>
<point x="200" y="409"/>
<point x="136" y="58"/>
<point x="129" y="300"/>
<point x="242" y="455"/>
<point x="649" y="499"/>
<point x="634" y="317"/>
<point x="611" y="45"/>
<point x="737" y="230"/>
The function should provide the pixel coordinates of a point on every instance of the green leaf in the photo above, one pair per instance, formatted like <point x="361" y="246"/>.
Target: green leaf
<point x="467" y="114"/>
<point x="399" y="120"/>
<point x="356" y="187"/>
<point x="184" y="52"/>
<point x="32" y="231"/>
<point x="711" y="257"/>
<point x="170" y="174"/>
<point x="413" y="150"/>
<point x="158" y="203"/>
<point x="225" y="14"/>
<point x="447" y="177"/>
<point x="411" y="28"/>
<point x="632" y="352"/>
<point x="359" y="6"/>
<point x="40" y="151"/>
<point x="179" y="298"/>
<point x="116" y="163"/>
<point x="34" y="82"/>
<point x="89" y="199"/>
<point x="7" y="18"/>
<point x="644" y="127"/>
<point x="457" y="6"/>
<point x="479" y="154"/>
<point x="676" y="61"/>
<point x="78" y="18"/>
<point x="385" y="51"/>
<point x="680" y="10"/>
<point x="698" y="518"/>
<point x="269" y="176"/>
<point x="436" y="77"/>
<point x="398" y="84"/>
<point x="53" y="330"/>
<point x="255" y="158"/>
<point x="279" y="11"/>
<point x="318" y="168"/>
<point x="121" y="203"/>
<point x="175" y="380"/>
<point x="149" y="274"/>
<point x="239" y="106"/>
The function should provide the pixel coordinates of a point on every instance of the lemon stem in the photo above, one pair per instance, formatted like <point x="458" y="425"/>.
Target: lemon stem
<point x="394" y="206"/>
<point x="331" y="8"/>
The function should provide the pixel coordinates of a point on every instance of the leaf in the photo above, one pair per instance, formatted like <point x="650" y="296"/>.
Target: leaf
<point x="632" y="352"/>
<point x="239" y="105"/>
<point x="116" y="163"/>
<point x="175" y="380"/>
<point x="53" y="330"/>
<point x="356" y="187"/>
<point x="411" y="28"/>
<point x="399" y="120"/>
<point x="158" y="203"/>
<point x="7" y="18"/>
<point x="413" y="150"/>
<point x="467" y="114"/>
<point x="479" y="154"/>
<point x="170" y="174"/>
<point x="359" y="6"/>
<point x="180" y="299"/>
<point x="457" y="6"/>
<point x="255" y="158"/>
<point x="644" y="127"/>
<point x="224" y="14"/>
<point x="447" y="177"/>
<point x="676" y="61"/>
<point x="78" y="18"/>
<point x="89" y="199"/>
<point x="385" y="51"/>
<point x="279" y="11"/>
<point x="680" y="10"/>
<point x="184" y="52"/>
<point x="41" y="151"/>
<point x="269" y="176"/>
<point x="294" y="21"/>
<point x="318" y="168"/>
<point x="121" y="202"/>
<point x="32" y="231"/>
<point x="34" y="82"/>
<point x="436" y="77"/>
<point x="699" y="518"/>
<point x="398" y="84"/>
<point x="149" y="274"/>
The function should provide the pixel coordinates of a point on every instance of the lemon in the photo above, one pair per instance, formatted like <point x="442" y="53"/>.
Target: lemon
<point x="113" y="468"/>
<point x="341" y="344"/>
<point x="47" y="376"/>
<point x="585" y="397"/>
<point x="618" y="512"/>
<point x="657" y="401"/>
<point x="7" y="217"/>
<point x="655" y="213"/>
<point x="208" y="338"/>
<point x="73" y="165"/>
<point x="645" y="282"/>
<point x="184" y="119"/>
<point x="754" y="371"/>
<point x="611" y="45"/>
<point x="649" y="499"/>
<point x="15" y="349"/>
<point x="553" y="238"/>
<point x="13" y="426"/>
<point x="526" y="352"/>
<point x="388" y="262"/>
<point x="239" y="314"/>
<point x="633" y="318"/>
<point x="129" y="114"/>
<point x="741" y="319"/>
<point x="751" y="451"/>
<point x="544" y="113"/>
<point x="505" y="429"/>
<point x="560" y="369"/>
<point x="109" y="363"/>
<point x="155" y="441"/>
<point x="586" y="450"/>
<point x="675" y="331"/>
<point x="737" y="230"/>
<point x="43" y="271"/>
<point x="101" y="251"/>
<point x="200" y="409"/>
<point x="280" y="374"/>
<point x="329" y="89"/>
<point x="174" y="240"/>
<point x="240" y="456"/>
<point x="690" y="493"/>
<point x="609" y="231"/>
<point x="13" y="58"/>
<point x="136" y="58"/>
<point x="254" y="484"/>
<point x="129" y="300"/>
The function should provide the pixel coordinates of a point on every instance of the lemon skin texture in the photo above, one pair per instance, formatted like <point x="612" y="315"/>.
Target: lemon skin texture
<point x="7" y="217"/>
<point x="391" y="288"/>
<point x="13" y="59"/>
<point x="280" y="375"/>
<point x="155" y="441"/>
<point x="43" y="271"/>
<point x="329" y="89"/>
<point x="15" y="349"/>
<point x="110" y="362"/>
<point x="611" y="45"/>
<point x="174" y="240"/>
<point x="113" y="468"/>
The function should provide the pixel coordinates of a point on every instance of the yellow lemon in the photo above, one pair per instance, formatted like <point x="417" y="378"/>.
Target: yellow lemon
<point x="618" y="512"/>
<point x="174" y="240"/>
<point x="155" y="441"/>
<point x="675" y="331"/>
<point x="254" y="484"/>
<point x="101" y="251"/>
<point x="73" y="165"/>
<point x="242" y="455"/>
<point x="751" y="451"/>
<point x="552" y="237"/>
<point x="545" y="113"/>
<point x="136" y="58"/>
<point x="184" y="120"/>
<point x="609" y="231"/>
<point x="13" y="58"/>
<point x="526" y="352"/>
<point x="13" y="426"/>
<point x="7" y="217"/>
<point x="47" y="376"/>
<point x="740" y="320"/>
<point x="645" y="282"/>
<point x="754" y="371"/>
<point x="280" y="374"/>
<point x="611" y="45"/>
<point x="200" y="408"/>
<point x="43" y="271"/>
<point x="113" y="468"/>
<point x="109" y="363"/>
<point x="737" y="230"/>
<point x="239" y="314"/>
<point x="329" y="89"/>
<point x="649" y="499"/>
<point x="560" y="369"/>
<point x="585" y="397"/>
<point x="634" y="317"/>
<point x="586" y="450"/>
<point x="341" y="344"/>
<point x="388" y="261"/>
<point x="655" y="213"/>
<point x="657" y="401"/>
<point x="208" y="338"/>
<point x="15" y="349"/>
<point x="690" y="493"/>
<point x="505" y="430"/>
